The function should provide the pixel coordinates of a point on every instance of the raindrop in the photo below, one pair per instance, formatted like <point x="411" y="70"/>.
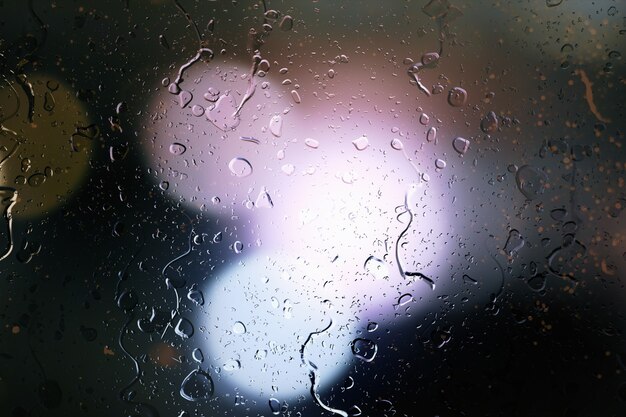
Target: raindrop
<point x="376" y="267"/>
<point x="424" y="119"/>
<point x="553" y="3"/>
<point x="430" y="58"/>
<point x="197" y="110"/>
<point x="224" y="114"/>
<point x="457" y="97"/>
<point x="364" y="349"/>
<point x="431" y="135"/>
<point x="197" y="355"/>
<point x="461" y="145"/>
<point x="469" y="280"/>
<point x="397" y="144"/>
<point x="311" y="143"/>
<point x="197" y="386"/>
<point x="288" y="169"/>
<point x="36" y="180"/>
<point x="195" y="295"/>
<point x="440" y="163"/>
<point x="239" y="328"/>
<point x="514" y="243"/>
<point x="232" y="365"/>
<point x="184" y="98"/>
<point x="295" y="96"/>
<point x="537" y="282"/>
<point x="372" y="326"/>
<point x="238" y="247"/>
<point x="404" y="299"/>
<point x="360" y="143"/>
<point x="530" y="181"/>
<point x="48" y="101"/>
<point x="127" y="300"/>
<point x="276" y="125"/>
<point x="240" y="167"/>
<point x="184" y="328"/>
<point x="177" y="149"/>
<point x="286" y="23"/>
<point x="489" y="124"/>
<point x="264" y="200"/>
<point x="274" y="406"/>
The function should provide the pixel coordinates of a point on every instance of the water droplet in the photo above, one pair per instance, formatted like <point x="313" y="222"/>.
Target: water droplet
<point x="286" y="23"/>
<point x="197" y="386"/>
<point x="514" y="243"/>
<point x="461" y="145"/>
<point x="184" y="98"/>
<point x="127" y="300"/>
<point x="184" y="328"/>
<point x="360" y="143"/>
<point x="288" y="169"/>
<point x="404" y="299"/>
<point x="538" y="282"/>
<point x="197" y="110"/>
<point x="469" y="280"/>
<point x="397" y="144"/>
<point x="376" y="267"/>
<point x="354" y="411"/>
<point x="431" y="135"/>
<point x="36" y="180"/>
<point x="364" y="349"/>
<point x="612" y="11"/>
<point x="295" y="96"/>
<point x="239" y="328"/>
<point x="89" y="333"/>
<point x="531" y="181"/>
<point x="372" y="326"/>
<point x="424" y="119"/>
<point x="240" y="167"/>
<point x="197" y="355"/>
<point x="457" y="97"/>
<point x="440" y="163"/>
<point x="232" y="365"/>
<point x="311" y="143"/>
<point x="260" y="354"/>
<point x="48" y="101"/>
<point x="224" y="113"/>
<point x="276" y="125"/>
<point x="177" y="149"/>
<point x="331" y="73"/>
<point x="164" y="185"/>
<point x="553" y="3"/>
<point x="558" y="214"/>
<point x="195" y="295"/>
<point x="264" y="200"/>
<point x="238" y="247"/>
<point x="274" y="405"/>
<point x="489" y="124"/>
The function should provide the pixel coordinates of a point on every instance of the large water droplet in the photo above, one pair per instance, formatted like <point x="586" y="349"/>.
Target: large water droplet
<point x="240" y="167"/>
<point x="177" y="149"/>
<point x="364" y="349"/>
<point x="431" y="135"/>
<point x="530" y="181"/>
<point x="489" y="124"/>
<point x="184" y="328"/>
<point x="361" y="143"/>
<point x="461" y="145"/>
<point x="376" y="267"/>
<point x="457" y="97"/>
<point x="276" y="125"/>
<point x="239" y="328"/>
<point x="197" y="386"/>
<point x="264" y="200"/>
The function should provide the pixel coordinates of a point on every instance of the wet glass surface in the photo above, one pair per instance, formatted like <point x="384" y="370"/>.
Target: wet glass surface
<point x="312" y="208"/>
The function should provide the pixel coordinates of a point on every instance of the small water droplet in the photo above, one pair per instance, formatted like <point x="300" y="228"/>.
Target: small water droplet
<point x="48" y="101"/>
<point x="224" y="114"/>
<point x="553" y="3"/>
<point x="372" y="326"/>
<point x="36" y="180"/>
<point x="195" y="295"/>
<point x="238" y="247"/>
<point x="197" y="110"/>
<point x="286" y="23"/>
<point x="274" y="405"/>
<point x="164" y="185"/>
<point x="531" y="181"/>
<point x="440" y="163"/>
<point x="424" y="119"/>
<point x="240" y="167"/>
